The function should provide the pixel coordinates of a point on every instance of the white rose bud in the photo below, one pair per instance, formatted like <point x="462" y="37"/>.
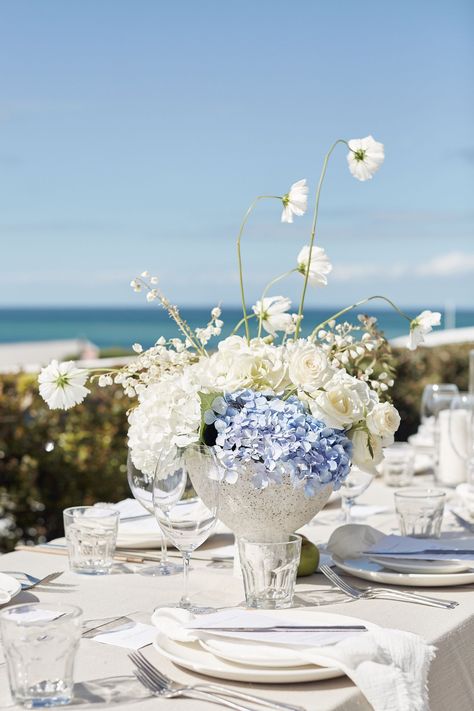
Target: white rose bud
<point x="361" y="454"/>
<point x="383" y="420"/>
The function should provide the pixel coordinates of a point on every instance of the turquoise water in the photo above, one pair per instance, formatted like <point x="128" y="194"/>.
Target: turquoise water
<point x="120" y="327"/>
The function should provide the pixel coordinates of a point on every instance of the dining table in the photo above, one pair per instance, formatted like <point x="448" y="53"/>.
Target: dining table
<point x="104" y="673"/>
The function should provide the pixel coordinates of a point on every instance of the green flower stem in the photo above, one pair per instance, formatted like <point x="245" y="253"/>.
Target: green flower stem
<point x="313" y="233"/>
<point x="239" y="257"/>
<point x="241" y="322"/>
<point x="354" y="306"/>
<point x="265" y="291"/>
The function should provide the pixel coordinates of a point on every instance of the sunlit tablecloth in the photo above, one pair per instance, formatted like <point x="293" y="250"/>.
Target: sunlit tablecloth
<point x="103" y="673"/>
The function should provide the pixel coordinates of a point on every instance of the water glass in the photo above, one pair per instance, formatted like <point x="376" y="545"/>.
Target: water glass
<point x="398" y="464"/>
<point x="91" y="536"/>
<point x="420" y="512"/>
<point x="40" y="642"/>
<point x="269" y="572"/>
<point x="436" y="397"/>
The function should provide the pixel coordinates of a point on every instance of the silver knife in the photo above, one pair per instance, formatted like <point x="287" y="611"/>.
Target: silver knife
<point x="284" y="628"/>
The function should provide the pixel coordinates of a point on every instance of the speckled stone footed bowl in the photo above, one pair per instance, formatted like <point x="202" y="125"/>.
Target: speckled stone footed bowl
<point x="262" y="516"/>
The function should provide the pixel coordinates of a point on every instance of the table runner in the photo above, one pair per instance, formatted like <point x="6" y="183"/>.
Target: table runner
<point x="104" y="673"/>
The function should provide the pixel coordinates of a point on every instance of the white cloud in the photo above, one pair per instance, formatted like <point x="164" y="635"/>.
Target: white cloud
<point x="446" y="265"/>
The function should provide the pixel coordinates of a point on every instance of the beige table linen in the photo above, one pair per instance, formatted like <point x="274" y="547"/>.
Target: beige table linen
<point x="104" y="673"/>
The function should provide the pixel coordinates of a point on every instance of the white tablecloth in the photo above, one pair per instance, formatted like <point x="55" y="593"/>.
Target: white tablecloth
<point x="103" y="673"/>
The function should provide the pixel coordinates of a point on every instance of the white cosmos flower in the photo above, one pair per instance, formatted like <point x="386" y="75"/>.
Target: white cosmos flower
<point x="62" y="385"/>
<point x="295" y="202"/>
<point x="365" y="157"/>
<point x="273" y="310"/>
<point x="421" y="325"/>
<point x="319" y="266"/>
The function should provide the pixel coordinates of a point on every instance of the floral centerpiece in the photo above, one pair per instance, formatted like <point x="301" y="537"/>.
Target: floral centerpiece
<point x="285" y="415"/>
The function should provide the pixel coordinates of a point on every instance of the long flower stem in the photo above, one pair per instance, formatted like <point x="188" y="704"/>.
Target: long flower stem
<point x="239" y="258"/>
<point x="265" y="291"/>
<point x="313" y="233"/>
<point x="354" y="306"/>
<point x="241" y="322"/>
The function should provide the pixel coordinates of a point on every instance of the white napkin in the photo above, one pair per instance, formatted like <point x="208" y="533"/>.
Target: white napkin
<point x="129" y="508"/>
<point x="389" y="667"/>
<point x="411" y="548"/>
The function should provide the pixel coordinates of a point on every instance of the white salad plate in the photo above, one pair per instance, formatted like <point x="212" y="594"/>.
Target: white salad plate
<point x="245" y="660"/>
<point x="9" y="588"/>
<point x="432" y="567"/>
<point x="367" y="569"/>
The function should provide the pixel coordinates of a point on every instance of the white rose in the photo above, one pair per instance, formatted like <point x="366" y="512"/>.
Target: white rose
<point x="307" y="366"/>
<point x="343" y="401"/>
<point x="383" y="420"/>
<point x="361" y="455"/>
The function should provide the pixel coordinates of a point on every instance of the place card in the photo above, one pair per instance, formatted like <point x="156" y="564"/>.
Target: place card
<point x="133" y="636"/>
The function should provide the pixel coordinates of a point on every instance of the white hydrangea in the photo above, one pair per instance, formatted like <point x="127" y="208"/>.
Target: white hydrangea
<point x="168" y="416"/>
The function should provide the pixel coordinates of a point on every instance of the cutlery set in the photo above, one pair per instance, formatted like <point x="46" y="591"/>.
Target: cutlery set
<point x="162" y="686"/>
<point x="384" y="593"/>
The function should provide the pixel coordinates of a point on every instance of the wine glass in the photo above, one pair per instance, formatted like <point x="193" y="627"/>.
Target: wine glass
<point x="185" y="519"/>
<point x="436" y="397"/>
<point x="141" y="486"/>
<point x="354" y="485"/>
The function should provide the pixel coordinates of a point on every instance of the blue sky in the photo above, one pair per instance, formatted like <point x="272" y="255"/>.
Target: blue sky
<point x="135" y="133"/>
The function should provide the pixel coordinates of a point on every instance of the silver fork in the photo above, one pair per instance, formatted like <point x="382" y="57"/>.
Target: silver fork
<point x="384" y="593"/>
<point x="164" y="686"/>
<point x="158" y="689"/>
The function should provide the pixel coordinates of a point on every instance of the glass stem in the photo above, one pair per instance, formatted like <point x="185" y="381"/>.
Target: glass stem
<point x="185" y="601"/>
<point x="347" y="504"/>
<point x="164" y="549"/>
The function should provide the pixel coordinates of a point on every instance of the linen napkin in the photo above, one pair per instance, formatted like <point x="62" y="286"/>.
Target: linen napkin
<point x="410" y="548"/>
<point x="390" y="667"/>
<point x="356" y="540"/>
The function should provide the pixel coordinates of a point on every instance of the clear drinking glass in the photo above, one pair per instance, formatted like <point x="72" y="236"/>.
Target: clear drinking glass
<point x="269" y="572"/>
<point x="40" y="642"/>
<point x="436" y="397"/>
<point x="399" y="464"/>
<point x="420" y="512"/>
<point x="354" y="485"/>
<point x="141" y="486"/>
<point x="183" y="517"/>
<point x="91" y="535"/>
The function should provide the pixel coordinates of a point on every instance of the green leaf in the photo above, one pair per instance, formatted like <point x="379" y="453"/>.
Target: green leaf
<point x="206" y="404"/>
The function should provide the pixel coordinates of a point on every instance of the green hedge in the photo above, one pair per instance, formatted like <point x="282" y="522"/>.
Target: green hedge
<point x="52" y="459"/>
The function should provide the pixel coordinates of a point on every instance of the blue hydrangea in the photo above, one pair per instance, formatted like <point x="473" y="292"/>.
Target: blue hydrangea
<point x="279" y="437"/>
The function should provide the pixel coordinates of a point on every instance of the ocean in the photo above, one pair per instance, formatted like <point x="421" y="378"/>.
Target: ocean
<point x="121" y="327"/>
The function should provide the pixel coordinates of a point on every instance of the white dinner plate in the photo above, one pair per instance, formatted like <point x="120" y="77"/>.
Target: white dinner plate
<point x="192" y="656"/>
<point x="432" y="567"/>
<point x="10" y="586"/>
<point x="252" y="661"/>
<point x="241" y="651"/>
<point x="370" y="570"/>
